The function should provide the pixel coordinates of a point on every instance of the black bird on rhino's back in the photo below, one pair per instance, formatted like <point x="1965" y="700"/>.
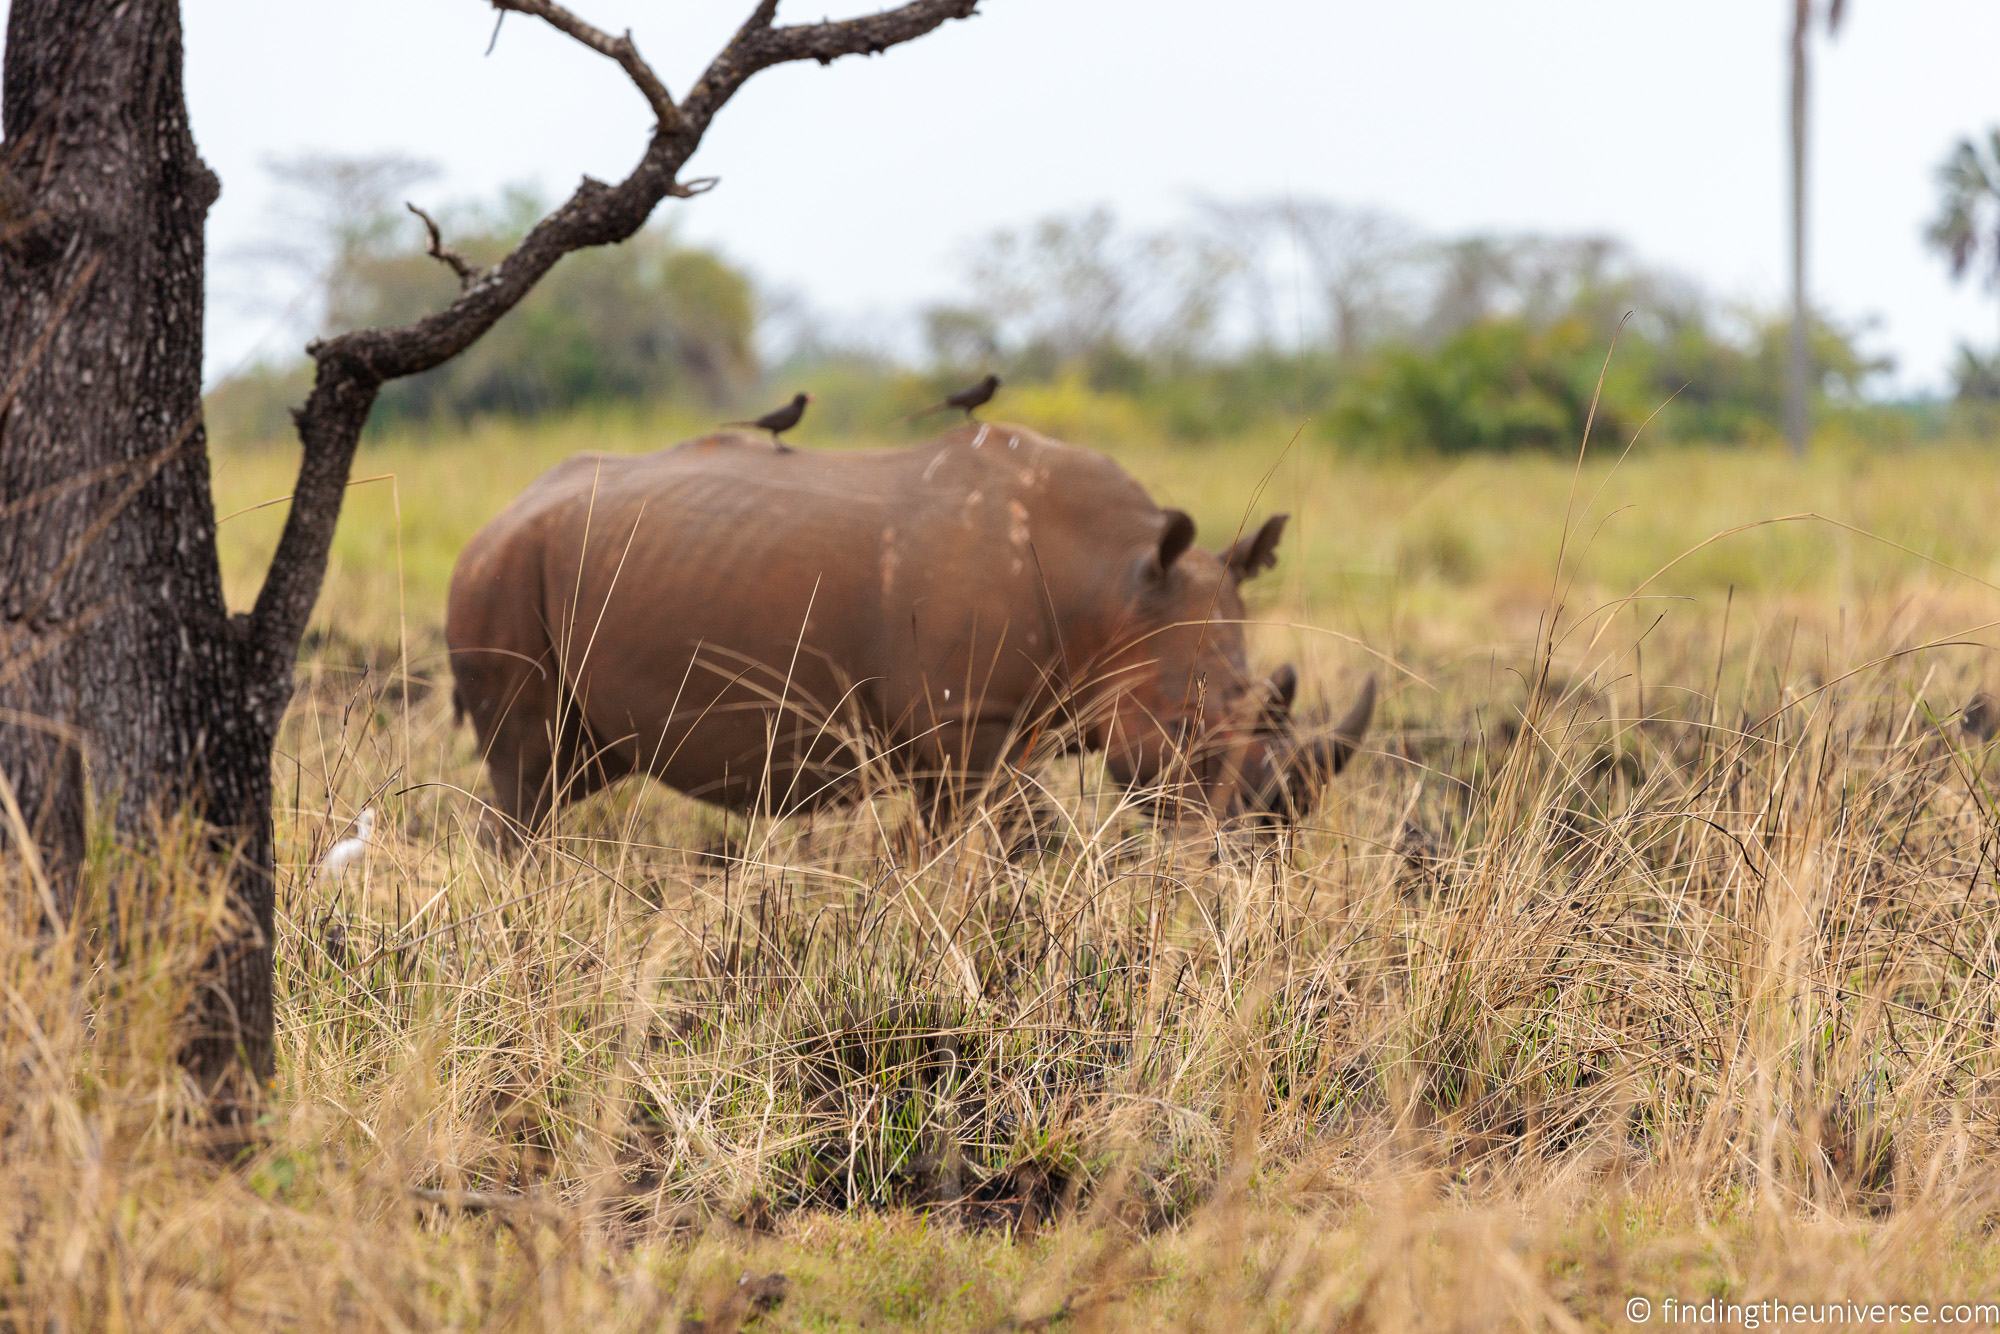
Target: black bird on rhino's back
<point x="967" y="400"/>
<point x="779" y="420"/>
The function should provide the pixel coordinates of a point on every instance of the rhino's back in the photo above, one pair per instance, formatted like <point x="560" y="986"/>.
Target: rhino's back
<point x="736" y="539"/>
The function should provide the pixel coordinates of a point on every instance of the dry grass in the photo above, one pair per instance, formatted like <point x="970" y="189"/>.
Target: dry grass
<point x="1651" y="951"/>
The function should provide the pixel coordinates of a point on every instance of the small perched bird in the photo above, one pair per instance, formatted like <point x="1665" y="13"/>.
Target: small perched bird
<point x="780" y="420"/>
<point x="967" y="400"/>
<point x="348" y="850"/>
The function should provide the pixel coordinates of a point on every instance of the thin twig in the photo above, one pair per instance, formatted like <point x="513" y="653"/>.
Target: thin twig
<point x="467" y="273"/>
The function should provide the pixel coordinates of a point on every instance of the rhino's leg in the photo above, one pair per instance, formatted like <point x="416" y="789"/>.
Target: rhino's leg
<point x="557" y="763"/>
<point x="512" y="704"/>
<point x="1030" y="823"/>
<point x="580" y="762"/>
<point x="953" y="766"/>
<point x="537" y="749"/>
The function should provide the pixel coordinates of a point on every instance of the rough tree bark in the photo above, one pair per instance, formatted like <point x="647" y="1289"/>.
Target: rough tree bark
<point x="118" y="662"/>
<point x="122" y="674"/>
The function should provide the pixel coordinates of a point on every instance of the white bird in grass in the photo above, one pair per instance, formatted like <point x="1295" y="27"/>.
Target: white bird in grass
<point x="350" y="849"/>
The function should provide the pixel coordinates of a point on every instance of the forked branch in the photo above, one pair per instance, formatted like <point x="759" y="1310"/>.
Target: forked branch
<point x="352" y="367"/>
<point x="620" y="49"/>
<point x="759" y="45"/>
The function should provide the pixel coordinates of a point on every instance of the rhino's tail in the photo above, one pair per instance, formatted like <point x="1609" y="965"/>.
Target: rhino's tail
<point x="457" y="705"/>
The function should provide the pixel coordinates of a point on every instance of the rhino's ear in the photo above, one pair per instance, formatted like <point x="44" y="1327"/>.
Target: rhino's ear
<point x="1256" y="551"/>
<point x="1176" y="536"/>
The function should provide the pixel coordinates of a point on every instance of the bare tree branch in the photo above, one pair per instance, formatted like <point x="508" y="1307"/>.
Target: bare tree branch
<point x="352" y="367"/>
<point x="444" y="254"/>
<point x="618" y="48"/>
<point x="757" y="45"/>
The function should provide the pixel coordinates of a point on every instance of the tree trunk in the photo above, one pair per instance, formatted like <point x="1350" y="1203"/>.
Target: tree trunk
<point x="119" y="662"/>
<point x="122" y="675"/>
<point x="1798" y="378"/>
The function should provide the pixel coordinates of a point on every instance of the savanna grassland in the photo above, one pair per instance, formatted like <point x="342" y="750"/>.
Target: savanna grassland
<point x="1650" y="949"/>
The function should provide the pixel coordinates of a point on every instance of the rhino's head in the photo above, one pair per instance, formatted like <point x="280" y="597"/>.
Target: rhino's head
<point x="1176" y="707"/>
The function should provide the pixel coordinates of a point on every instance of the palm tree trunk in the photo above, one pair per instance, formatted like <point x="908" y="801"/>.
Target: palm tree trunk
<point x="1798" y="380"/>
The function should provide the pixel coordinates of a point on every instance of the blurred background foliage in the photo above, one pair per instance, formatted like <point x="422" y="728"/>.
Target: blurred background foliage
<point x="1345" y="325"/>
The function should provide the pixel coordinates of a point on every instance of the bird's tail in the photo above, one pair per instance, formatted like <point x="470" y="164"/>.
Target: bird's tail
<point x="925" y="412"/>
<point x="739" y="423"/>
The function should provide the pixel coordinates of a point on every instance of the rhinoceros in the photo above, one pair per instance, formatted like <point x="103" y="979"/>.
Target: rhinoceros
<point x="777" y="630"/>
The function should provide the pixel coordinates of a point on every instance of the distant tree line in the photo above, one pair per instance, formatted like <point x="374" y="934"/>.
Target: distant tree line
<point x="1377" y="335"/>
<point x="1239" y="315"/>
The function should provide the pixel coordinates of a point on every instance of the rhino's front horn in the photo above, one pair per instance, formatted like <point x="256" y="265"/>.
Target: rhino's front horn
<point x="1329" y="755"/>
<point x="1293" y="783"/>
<point x="1279" y="692"/>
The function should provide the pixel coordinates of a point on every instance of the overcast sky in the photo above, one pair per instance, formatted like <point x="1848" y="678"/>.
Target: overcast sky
<point x="861" y="184"/>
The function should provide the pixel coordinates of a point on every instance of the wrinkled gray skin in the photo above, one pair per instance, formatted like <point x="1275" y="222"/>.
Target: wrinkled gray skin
<point x="765" y="630"/>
